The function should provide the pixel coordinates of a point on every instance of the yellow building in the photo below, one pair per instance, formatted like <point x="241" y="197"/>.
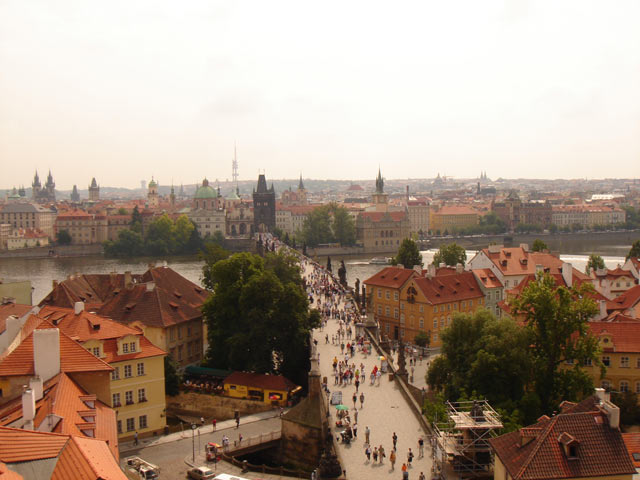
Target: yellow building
<point x="271" y="389"/>
<point x="428" y="303"/>
<point x="452" y="217"/>
<point x="137" y="380"/>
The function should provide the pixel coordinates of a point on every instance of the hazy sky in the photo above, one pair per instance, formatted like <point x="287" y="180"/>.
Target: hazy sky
<point x="123" y="90"/>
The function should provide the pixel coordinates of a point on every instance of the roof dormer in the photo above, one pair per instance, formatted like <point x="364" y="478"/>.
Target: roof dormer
<point x="569" y="445"/>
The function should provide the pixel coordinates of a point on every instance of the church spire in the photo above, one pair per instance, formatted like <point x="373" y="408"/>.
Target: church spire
<point x="300" y="185"/>
<point x="379" y="182"/>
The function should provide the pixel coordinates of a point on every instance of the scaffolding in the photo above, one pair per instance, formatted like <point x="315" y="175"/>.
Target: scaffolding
<point x="461" y="440"/>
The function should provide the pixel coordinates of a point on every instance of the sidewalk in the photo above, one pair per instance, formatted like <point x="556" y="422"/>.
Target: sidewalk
<point x="126" y="447"/>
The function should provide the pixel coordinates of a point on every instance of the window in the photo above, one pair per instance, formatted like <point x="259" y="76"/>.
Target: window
<point x="395" y="313"/>
<point x="455" y="306"/>
<point x="379" y="293"/>
<point x="637" y="387"/>
<point x="402" y="333"/>
<point x="605" y="384"/>
<point x="421" y="309"/>
<point x="142" y="421"/>
<point x="387" y="294"/>
<point x="119" y="427"/>
<point x="379" y="309"/>
<point x="479" y="301"/>
<point x="464" y="305"/>
<point x="624" y="362"/>
<point x="448" y="320"/>
<point x="402" y="306"/>
<point x="587" y="362"/>
<point x="132" y="347"/>
<point x="188" y="331"/>
<point x="127" y="371"/>
<point x="624" y="386"/>
<point x="442" y="308"/>
<point x="96" y="351"/>
<point x="470" y="303"/>
<point x="387" y="328"/>
<point x="115" y="375"/>
<point x="140" y="368"/>
<point x="142" y="395"/>
<point x="435" y="309"/>
<point x="116" y="400"/>
<point x="606" y="361"/>
<point x="125" y="348"/>
<point x="402" y="319"/>
<point x="395" y="296"/>
<point x="387" y="311"/>
<point x="179" y="332"/>
<point x="421" y="323"/>
<point x="128" y="397"/>
<point x="435" y="322"/>
<point x="131" y="424"/>
<point x="435" y="337"/>
<point x="448" y="307"/>
<point x="441" y="322"/>
<point x="638" y="362"/>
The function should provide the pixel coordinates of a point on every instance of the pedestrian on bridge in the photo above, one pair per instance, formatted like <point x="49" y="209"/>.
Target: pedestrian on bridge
<point x="361" y="399"/>
<point x="392" y="459"/>
<point x="367" y="432"/>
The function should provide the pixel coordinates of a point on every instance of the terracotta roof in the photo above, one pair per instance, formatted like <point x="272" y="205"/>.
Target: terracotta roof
<point x="627" y="299"/>
<point x="147" y="349"/>
<point x="17" y="445"/>
<point x="449" y="288"/>
<point x="632" y="442"/>
<point x="616" y="272"/>
<point x="454" y="210"/>
<point x="383" y="216"/>
<point x="624" y="335"/>
<point x="73" y="358"/>
<point x="6" y="474"/>
<point x="258" y="380"/>
<point x="600" y="449"/>
<point x="85" y="326"/>
<point x="8" y="309"/>
<point x="517" y="261"/>
<point x="391" y="277"/>
<point x="487" y="278"/>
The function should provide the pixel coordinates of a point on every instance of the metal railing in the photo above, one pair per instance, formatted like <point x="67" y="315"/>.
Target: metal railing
<point x="255" y="440"/>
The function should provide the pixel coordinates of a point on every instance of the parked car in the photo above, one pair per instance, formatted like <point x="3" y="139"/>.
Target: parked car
<point x="201" y="473"/>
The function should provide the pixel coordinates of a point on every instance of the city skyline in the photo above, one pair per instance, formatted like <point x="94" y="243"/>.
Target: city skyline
<point x="121" y="91"/>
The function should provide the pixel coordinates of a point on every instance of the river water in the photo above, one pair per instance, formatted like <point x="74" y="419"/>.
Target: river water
<point x="42" y="271"/>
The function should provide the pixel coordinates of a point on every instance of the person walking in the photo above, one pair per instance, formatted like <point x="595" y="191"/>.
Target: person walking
<point x="392" y="459"/>
<point x="422" y="477"/>
<point x="394" y="438"/>
<point x="214" y="422"/>
<point x="405" y="473"/>
<point x="421" y="447"/>
<point x="375" y="454"/>
<point x="381" y="453"/>
<point x="355" y="399"/>
<point x="409" y="458"/>
<point x="355" y="430"/>
<point x="135" y="438"/>
<point x="367" y="432"/>
<point x="367" y="452"/>
<point x="361" y="399"/>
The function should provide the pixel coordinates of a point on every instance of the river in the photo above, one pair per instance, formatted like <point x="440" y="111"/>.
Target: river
<point x="42" y="271"/>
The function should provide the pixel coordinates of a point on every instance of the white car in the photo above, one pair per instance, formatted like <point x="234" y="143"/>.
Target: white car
<point x="201" y="473"/>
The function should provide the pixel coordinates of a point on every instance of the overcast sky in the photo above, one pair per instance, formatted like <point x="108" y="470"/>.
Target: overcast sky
<point x="123" y="90"/>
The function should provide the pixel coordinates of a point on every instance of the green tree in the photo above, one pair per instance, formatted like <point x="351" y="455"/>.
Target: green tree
<point x="258" y="316"/>
<point x="408" y="254"/>
<point x="553" y="228"/>
<point x="136" y="220"/>
<point x="317" y="227"/>
<point x="539" y="246"/>
<point x="171" y="378"/>
<point x="129" y="244"/>
<point x="635" y="250"/>
<point x="450" y="254"/>
<point x="122" y="211"/>
<point x="422" y="339"/>
<point x="596" y="262"/>
<point x="63" y="237"/>
<point x="557" y="318"/>
<point x="343" y="226"/>
<point x="182" y="231"/>
<point x="211" y="255"/>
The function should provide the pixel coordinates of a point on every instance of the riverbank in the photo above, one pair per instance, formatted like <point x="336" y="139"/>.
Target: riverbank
<point x="57" y="251"/>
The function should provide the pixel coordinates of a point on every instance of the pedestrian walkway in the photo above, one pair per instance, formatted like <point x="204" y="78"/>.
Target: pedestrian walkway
<point x="126" y="447"/>
<point x="384" y="412"/>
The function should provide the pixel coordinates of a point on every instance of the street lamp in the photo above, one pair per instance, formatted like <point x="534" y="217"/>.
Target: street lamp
<point x="193" y="440"/>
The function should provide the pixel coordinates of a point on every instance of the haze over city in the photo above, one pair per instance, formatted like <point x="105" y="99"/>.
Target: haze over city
<point x="123" y="91"/>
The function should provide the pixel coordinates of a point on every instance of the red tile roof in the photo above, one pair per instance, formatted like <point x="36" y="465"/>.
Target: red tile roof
<point x="454" y="210"/>
<point x="258" y="380"/>
<point x="73" y="358"/>
<point x="627" y="299"/>
<point x="8" y="309"/>
<point x="632" y="442"/>
<point x="600" y="449"/>
<point x="17" y="445"/>
<point x="518" y="261"/>
<point x="449" y="288"/>
<point x="615" y="273"/>
<point x="487" y="278"/>
<point x="6" y="474"/>
<point x="624" y="335"/>
<point x="85" y="326"/>
<point x="391" y="277"/>
<point x="147" y="349"/>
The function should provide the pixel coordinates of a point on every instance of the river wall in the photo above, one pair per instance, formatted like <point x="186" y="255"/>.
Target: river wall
<point x="55" y="251"/>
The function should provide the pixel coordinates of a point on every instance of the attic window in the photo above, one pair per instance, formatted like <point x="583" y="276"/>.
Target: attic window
<point x="130" y="306"/>
<point x="173" y="305"/>
<point x="636" y="456"/>
<point x="177" y="294"/>
<point x="96" y="326"/>
<point x="198" y="290"/>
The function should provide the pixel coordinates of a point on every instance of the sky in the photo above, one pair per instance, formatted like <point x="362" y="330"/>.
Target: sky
<point x="126" y="90"/>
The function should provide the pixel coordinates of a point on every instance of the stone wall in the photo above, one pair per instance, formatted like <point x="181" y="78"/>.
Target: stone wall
<point x="301" y="445"/>
<point x="212" y="406"/>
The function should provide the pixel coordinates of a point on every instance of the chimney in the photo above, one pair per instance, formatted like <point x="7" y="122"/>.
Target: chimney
<point x="128" y="282"/>
<point x="613" y="414"/>
<point x="459" y="268"/>
<point x="603" y="309"/>
<point x="524" y="246"/>
<point x="35" y="384"/>
<point x="28" y="409"/>
<point x="539" y="269"/>
<point x="46" y="353"/>
<point x="567" y="273"/>
<point x="431" y="270"/>
<point x="78" y="308"/>
<point x="600" y="394"/>
<point x="12" y="327"/>
<point x="418" y="269"/>
<point x="150" y="286"/>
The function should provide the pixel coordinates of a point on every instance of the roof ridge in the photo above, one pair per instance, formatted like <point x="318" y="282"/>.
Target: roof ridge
<point x="539" y="440"/>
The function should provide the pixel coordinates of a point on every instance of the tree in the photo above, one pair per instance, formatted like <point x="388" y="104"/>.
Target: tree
<point x="422" y="339"/>
<point x="539" y="246"/>
<point x="557" y="319"/>
<point x="136" y="220"/>
<point x="408" y="254"/>
<point x="171" y="377"/>
<point x="122" y="211"/>
<point x="450" y="254"/>
<point x="258" y="316"/>
<point x="181" y="232"/>
<point x="63" y="237"/>
<point x="211" y="255"/>
<point x="596" y="262"/>
<point x="343" y="226"/>
<point x="635" y="250"/>
<point x="328" y="224"/>
<point x="129" y="244"/>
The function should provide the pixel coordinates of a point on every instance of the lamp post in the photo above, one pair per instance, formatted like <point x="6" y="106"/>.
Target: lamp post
<point x="193" y="440"/>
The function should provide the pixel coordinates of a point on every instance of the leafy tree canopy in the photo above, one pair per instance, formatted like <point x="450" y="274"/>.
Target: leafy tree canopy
<point x="258" y="316"/>
<point x="596" y="262"/>
<point x="408" y="254"/>
<point x="635" y="250"/>
<point x="328" y="224"/>
<point x="63" y="237"/>
<point x="450" y="254"/>
<point x="539" y="246"/>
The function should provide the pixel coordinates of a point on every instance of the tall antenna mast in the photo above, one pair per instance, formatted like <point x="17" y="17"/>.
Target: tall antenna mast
<point x="234" y="164"/>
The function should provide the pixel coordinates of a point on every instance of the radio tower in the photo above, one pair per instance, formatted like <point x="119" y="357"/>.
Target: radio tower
<point x="234" y="164"/>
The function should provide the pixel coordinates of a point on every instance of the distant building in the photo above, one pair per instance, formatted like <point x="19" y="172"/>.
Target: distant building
<point x="513" y="211"/>
<point x="94" y="191"/>
<point x="26" y="238"/>
<point x="29" y="216"/>
<point x="586" y="215"/>
<point x="207" y="211"/>
<point x="152" y="194"/>
<point x="264" y="206"/>
<point x="418" y="211"/>
<point x="46" y="194"/>
<point x="295" y="198"/>
<point x="75" y="196"/>
<point x="450" y="218"/>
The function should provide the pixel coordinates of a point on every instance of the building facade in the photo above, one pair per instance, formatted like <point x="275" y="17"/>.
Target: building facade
<point x="29" y="216"/>
<point x="264" y="206"/>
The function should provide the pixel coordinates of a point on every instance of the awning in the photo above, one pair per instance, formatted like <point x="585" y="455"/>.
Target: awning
<point x="211" y="372"/>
